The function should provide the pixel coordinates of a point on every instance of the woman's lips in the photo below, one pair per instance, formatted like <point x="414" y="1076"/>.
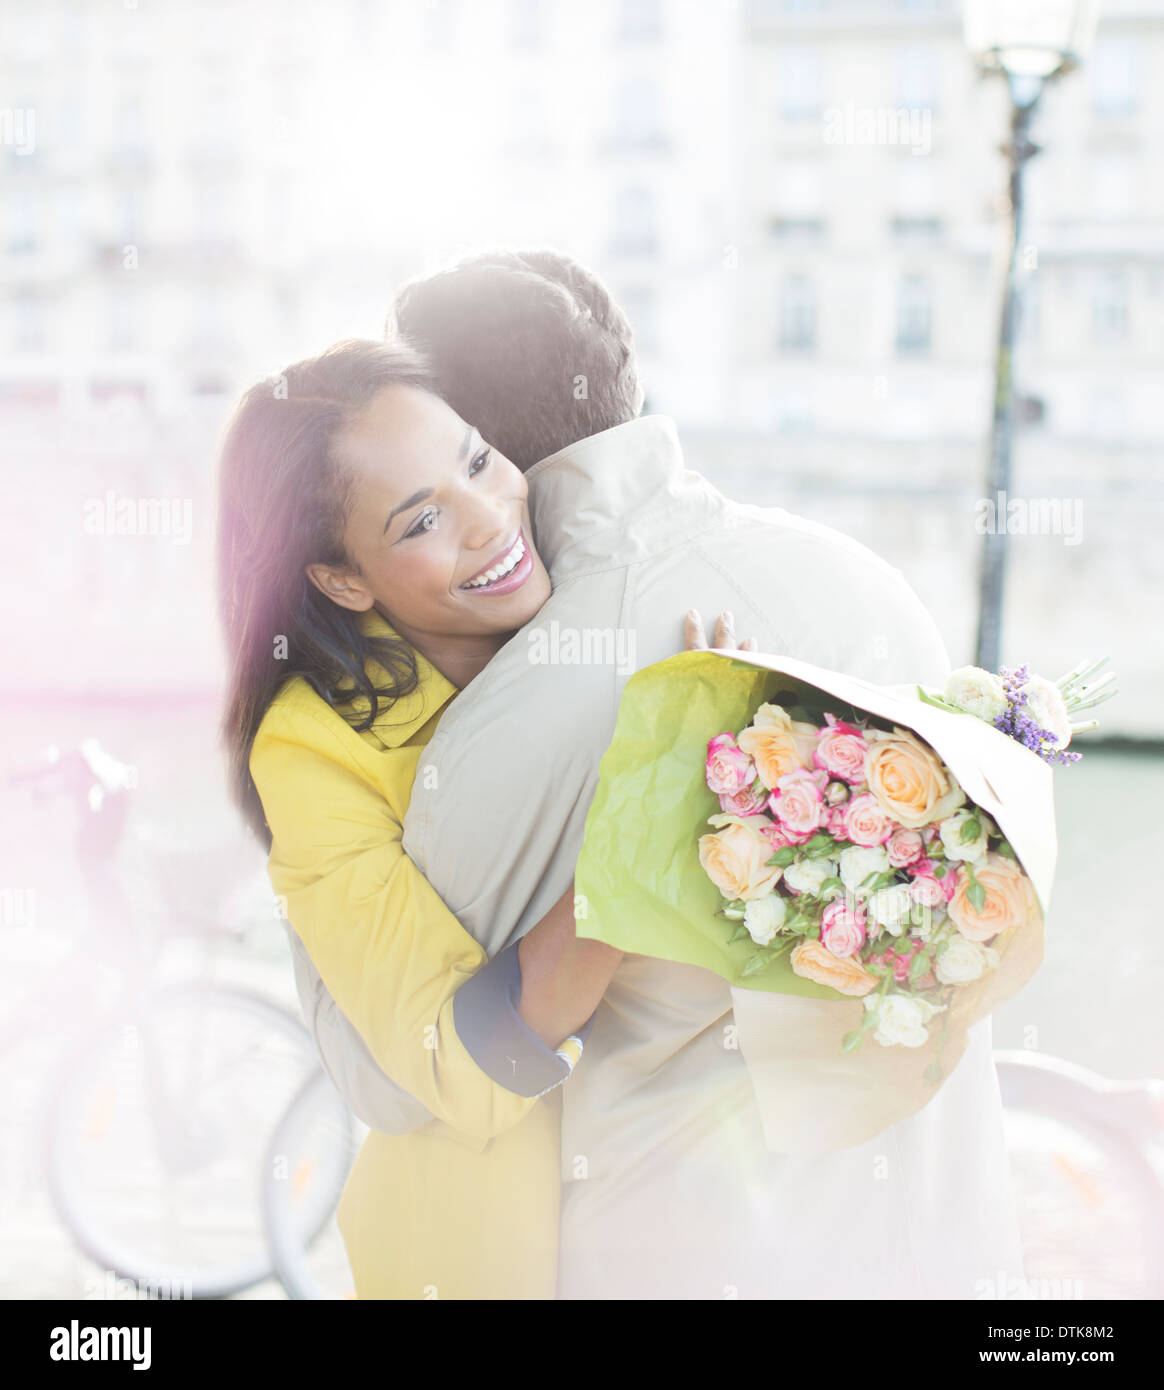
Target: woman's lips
<point x="514" y="579"/>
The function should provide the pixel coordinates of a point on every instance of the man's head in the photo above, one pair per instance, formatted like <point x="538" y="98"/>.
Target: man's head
<point x="527" y="346"/>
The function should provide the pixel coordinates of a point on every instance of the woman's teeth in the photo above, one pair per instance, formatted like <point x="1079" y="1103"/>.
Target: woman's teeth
<point x="500" y="569"/>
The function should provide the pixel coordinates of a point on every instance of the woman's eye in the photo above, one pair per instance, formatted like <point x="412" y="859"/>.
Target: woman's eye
<point x="422" y="523"/>
<point x="482" y="459"/>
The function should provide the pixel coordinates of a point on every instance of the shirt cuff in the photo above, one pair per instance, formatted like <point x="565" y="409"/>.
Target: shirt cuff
<point x="500" y="1041"/>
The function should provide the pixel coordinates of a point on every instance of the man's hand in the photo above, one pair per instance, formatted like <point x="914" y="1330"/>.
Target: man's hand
<point x="725" y="634"/>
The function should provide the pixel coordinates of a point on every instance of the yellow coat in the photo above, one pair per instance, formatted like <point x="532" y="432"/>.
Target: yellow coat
<point x="468" y="1205"/>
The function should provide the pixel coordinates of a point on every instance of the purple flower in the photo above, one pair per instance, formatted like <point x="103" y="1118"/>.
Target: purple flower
<point x="1016" y="723"/>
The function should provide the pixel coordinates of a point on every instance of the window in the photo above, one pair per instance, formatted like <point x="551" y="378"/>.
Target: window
<point x="1110" y="307"/>
<point x="24" y="222"/>
<point x="29" y="322"/>
<point x="635" y="230"/>
<point x="211" y="223"/>
<point x="440" y="22"/>
<point x="797" y="314"/>
<point x="208" y="321"/>
<point x="799" y="203"/>
<point x="123" y="319"/>
<point x="128" y="217"/>
<point x="915" y="201"/>
<point x="640" y="19"/>
<point x="1115" y="77"/>
<point x="529" y="23"/>
<point x="1112" y="192"/>
<point x="913" y="317"/>
<point x="917" y="78"/>
<point x="799" y="85"/>
<point x="636" y="114"/>
<point x="129" y="132"/>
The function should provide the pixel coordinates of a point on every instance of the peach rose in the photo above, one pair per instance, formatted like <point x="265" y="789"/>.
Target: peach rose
<point x="1010" y="899"/>
<point x="777" y="745"/>
<point x="812" y="961"/>
<point x="736" y="858"/>
<point x="908" y="779"/>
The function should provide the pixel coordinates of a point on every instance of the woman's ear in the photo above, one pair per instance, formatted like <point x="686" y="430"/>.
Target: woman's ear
<point x="341" y="586"/>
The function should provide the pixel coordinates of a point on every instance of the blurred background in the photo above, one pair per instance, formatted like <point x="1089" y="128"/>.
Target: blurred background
<point x="803" y="208"/>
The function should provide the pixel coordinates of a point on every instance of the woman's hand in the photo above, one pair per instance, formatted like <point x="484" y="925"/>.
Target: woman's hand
<point x="725" y="634"/>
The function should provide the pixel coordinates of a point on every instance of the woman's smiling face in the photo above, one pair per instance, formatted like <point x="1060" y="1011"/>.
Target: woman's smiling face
<point x="433" y="507"/>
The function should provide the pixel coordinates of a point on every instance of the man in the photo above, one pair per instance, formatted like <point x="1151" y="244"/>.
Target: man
<point x="675" y="1183"/>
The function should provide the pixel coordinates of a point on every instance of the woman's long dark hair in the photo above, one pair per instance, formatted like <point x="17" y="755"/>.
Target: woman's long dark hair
<point x="283" y="505"/>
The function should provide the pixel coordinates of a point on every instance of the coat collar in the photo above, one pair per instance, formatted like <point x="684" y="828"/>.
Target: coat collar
<point x="399" y="720"/>
<point x="627" y="483"/>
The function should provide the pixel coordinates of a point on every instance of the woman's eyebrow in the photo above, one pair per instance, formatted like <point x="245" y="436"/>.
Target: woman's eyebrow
<point x="408" y="502"/>
<point x="427" y="491"/>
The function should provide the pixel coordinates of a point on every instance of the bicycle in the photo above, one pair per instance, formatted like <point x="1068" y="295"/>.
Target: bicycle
<point x="1086" y="1157"/>
<point x="149" y="1158"/>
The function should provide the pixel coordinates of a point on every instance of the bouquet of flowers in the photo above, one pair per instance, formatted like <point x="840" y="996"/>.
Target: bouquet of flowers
<point x="890" y="849"/>
<point x="882" y="881"/>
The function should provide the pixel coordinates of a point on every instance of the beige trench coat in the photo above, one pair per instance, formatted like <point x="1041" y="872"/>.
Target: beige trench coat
<point x="669" y="1187"/>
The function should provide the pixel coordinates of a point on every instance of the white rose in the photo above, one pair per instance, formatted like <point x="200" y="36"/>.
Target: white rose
<point x="890" y="906"/>
<point x="807" y="875"/>
<point x="964" y="961"/>
<point x="857" y="863"/>
<point x="901" y="1019"/>
<point x="1046" y="707"/>
<point x="950" y="832"/>
<point x="764" y="917"/>
<point x="976" y="691"/>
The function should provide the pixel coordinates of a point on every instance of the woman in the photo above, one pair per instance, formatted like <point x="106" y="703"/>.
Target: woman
<point x="375" y="553"/>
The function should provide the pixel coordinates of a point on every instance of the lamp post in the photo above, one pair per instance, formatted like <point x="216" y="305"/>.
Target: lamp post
<point x="1029" y="43"/>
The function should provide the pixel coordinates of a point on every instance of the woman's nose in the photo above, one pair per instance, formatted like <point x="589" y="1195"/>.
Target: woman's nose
<point x="490" y="524"/>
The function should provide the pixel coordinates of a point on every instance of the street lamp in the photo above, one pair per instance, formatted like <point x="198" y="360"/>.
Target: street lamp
<point x="1029" y="43"/>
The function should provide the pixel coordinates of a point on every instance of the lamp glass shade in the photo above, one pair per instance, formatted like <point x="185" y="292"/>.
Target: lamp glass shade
<point x="1029" y="38"/>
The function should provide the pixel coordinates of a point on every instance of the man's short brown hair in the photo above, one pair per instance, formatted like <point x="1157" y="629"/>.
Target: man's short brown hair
<point x="526" y="345"/>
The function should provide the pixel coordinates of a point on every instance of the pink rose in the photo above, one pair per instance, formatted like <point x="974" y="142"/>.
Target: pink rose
<point x="729" y="769"/>
<point x="775" y="836"/>
<point x="927" y="891"/>
<point x="796" y="802"/>
<point x="744" y="803"/>
<point x="834" y="822"/>
<point x="842" y="928"/>
<point x="903" y="847"/>
<point x="842" y="751"/>
<point x="928" y="868"/>
<point x="901" y="963"/>
<point x="866" y="823"/>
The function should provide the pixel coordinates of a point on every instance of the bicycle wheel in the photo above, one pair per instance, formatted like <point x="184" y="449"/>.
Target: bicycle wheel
<point x="1091" y="1207"/>
<point x="308" y="1160"/>
<point x="155" y="1133"/>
